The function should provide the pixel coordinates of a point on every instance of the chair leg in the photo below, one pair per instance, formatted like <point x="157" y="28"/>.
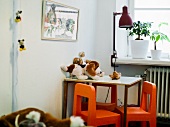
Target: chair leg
<point x="122" y="121"/>
<point x="118" y="123"/>
<point x="152" y="123"/>
<point x="127" y="123"/>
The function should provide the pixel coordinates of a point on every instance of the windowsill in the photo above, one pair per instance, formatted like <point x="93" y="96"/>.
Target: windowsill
<point x="147" y="61"/>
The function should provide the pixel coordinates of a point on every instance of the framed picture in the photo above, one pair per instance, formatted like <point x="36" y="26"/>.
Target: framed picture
<point x="59" y="21"/>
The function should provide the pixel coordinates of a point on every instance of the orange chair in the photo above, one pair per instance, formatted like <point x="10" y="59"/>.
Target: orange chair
<point x="92" y="116"/>
<point x="147" y="109"/>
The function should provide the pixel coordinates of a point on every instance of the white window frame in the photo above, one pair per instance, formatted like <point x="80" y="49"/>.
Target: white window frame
<point x="131" y="11"/>
<point x="124" y="54"/>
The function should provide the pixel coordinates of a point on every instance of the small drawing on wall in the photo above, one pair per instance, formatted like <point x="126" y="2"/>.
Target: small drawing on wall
<point x="59" y="22"/>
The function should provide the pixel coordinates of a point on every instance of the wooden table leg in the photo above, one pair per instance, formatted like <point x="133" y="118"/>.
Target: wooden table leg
<point x="65" y="99"/>
<point x="125" y="105"/>
<point x="139" y="92"/>
<point x="114" y="94"/>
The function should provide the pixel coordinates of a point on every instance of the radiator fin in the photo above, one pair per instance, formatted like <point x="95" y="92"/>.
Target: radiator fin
<point x="161" y="77"/>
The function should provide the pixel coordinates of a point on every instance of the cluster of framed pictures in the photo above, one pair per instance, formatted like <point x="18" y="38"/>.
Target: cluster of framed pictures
<point x="59" y="21"/>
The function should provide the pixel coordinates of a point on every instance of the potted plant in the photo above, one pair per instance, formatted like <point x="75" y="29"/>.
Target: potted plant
<point x="139" y="46"/>
<point x="157" y="36"/>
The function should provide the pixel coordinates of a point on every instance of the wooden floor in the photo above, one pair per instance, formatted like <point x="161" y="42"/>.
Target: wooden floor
<point x="160" y="123"/>
<point x="137" y="124"/>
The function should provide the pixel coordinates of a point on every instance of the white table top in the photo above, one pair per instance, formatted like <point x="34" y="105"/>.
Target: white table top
<point x="124" y="80"/>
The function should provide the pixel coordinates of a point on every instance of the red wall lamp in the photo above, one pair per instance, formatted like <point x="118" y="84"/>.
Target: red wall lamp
<point x="125" y="21"/>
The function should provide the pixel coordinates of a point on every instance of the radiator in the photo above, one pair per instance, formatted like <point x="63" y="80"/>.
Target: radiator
<point x="161" y="77"/>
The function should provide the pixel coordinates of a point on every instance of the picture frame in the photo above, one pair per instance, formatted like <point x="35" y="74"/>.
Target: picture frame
<point x="59" y="21"/>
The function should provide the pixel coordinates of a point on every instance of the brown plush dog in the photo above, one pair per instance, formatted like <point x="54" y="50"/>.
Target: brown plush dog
<point x="91" y="67"/>
<point x="46" y="118"/>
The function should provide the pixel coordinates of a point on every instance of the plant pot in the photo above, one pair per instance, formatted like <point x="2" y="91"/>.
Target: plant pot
<point x="156" y="54"/>
<point x="139" y="48"/>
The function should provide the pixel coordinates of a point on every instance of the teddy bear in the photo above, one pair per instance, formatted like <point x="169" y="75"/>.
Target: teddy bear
<point x="80" y="60"/>
<point x="82" y="56"/>
<point x="39" y="119"/>
<point x="115" y="75"/>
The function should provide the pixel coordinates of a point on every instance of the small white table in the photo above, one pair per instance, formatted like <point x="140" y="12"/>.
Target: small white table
<point x="105" y="81"/>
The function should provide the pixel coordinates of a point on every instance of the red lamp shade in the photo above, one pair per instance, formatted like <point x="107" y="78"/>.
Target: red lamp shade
<point x="125" y="20"/>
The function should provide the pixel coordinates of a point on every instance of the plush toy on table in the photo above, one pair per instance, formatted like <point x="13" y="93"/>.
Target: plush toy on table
<point x="90" y="70"/>
<point x="83" y="69"/>
<point x="91" y="67"/>
<point x="75" y="70"/>
<point x="82" y="57"/>
<point x="115" y="75"/>
<point x="80" y="60"/>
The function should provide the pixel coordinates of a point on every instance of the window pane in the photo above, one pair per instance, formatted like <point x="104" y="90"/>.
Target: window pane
<point x="152" y="16"/>
<point x="152" y="3"/>
<point x="156" y="17"/>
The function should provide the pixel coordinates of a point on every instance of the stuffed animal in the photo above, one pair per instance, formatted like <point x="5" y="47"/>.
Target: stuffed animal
<point x="83" y="69"/>
<point x="97" y="69"/>
<point x="21" y="117"/>
<point x="75" y="70"/>
<point x="18" y="17"/>
<point x="32" y="120"/>
<point x="80" y="60"/>
<point x="22" y="46"/>
<point x="91" y="70"/>
<point x="115" y="75"/>
<point x="99" y="72"/>
<point x="82" y="56"/>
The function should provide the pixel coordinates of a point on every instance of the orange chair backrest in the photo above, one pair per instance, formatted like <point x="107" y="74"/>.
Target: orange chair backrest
<point x="149" y="89"/>
<point x="84" y="90"/>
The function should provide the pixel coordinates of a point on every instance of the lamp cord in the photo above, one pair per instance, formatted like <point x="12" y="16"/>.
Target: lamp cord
<point x="107" y="94"/>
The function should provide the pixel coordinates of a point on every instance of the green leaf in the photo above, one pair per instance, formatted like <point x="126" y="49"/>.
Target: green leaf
<point x="152" y="37"/>
<point x="157" y="38"/>
<point x="166" y="38"/>
<point x="162" y="23"/>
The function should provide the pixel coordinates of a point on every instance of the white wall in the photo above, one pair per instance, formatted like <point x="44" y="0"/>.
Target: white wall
<point x="39" y="74"/>
<point x="5" y="57"/>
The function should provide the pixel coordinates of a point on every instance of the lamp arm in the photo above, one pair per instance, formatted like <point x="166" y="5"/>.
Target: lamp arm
<point x="114" y="34"/>
<point x="114" y="17"/>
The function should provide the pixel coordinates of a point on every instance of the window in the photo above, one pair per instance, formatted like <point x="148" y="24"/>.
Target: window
<point x="155" y="11"/>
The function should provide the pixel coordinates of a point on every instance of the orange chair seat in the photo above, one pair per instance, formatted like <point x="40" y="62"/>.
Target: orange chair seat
<point x="102" y="117"/>
<point x="134" y="110"/>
